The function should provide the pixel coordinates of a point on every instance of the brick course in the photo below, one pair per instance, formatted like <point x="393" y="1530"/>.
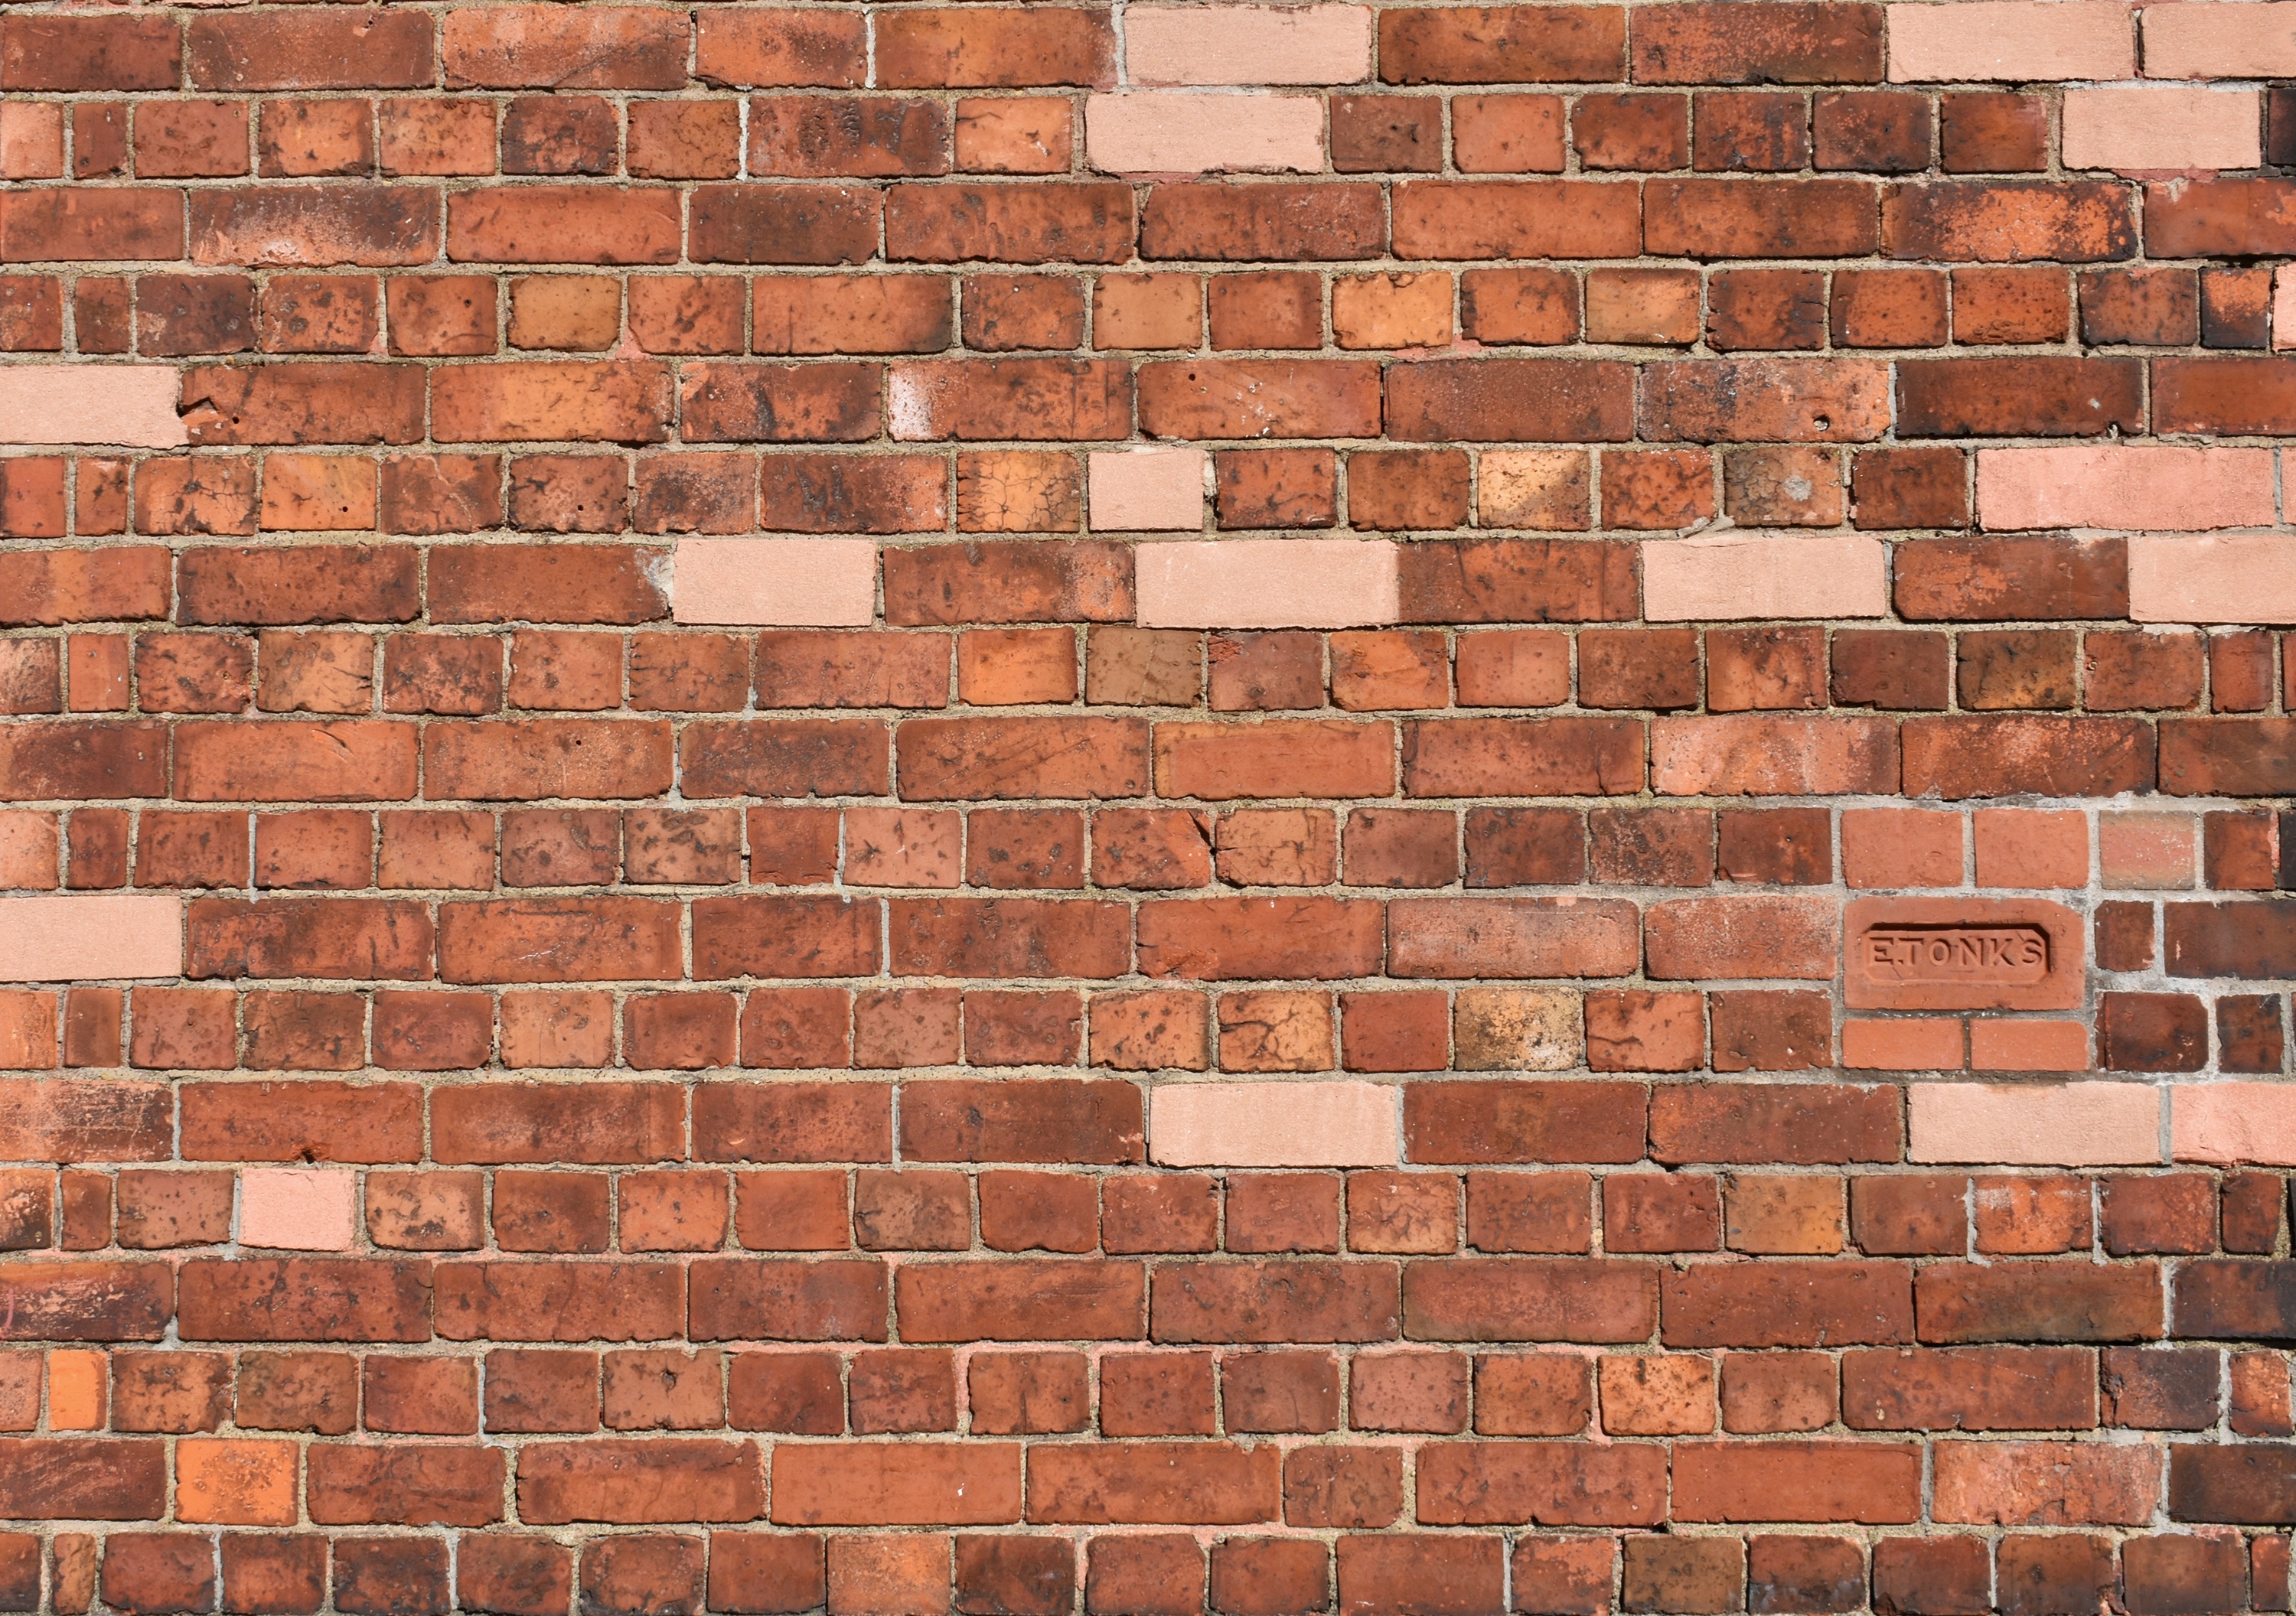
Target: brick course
<point x="1123" y="809"/>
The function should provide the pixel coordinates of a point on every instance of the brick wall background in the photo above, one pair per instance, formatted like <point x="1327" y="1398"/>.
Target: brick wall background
<point x="1146" y="808"/>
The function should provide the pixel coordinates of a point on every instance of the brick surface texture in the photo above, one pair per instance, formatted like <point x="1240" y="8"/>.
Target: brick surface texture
<point x="1133" y="808"/>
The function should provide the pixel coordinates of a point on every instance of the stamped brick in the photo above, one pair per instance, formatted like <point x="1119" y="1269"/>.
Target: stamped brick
<point x="1962" y="954"/>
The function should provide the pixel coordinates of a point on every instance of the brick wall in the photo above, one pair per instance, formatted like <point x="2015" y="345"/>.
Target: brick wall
<point x="1127" y="810"/>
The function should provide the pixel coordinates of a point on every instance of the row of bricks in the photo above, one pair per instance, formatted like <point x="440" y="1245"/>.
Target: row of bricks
<point x="1104" y="757"/>
<point x="2127" y="129"/>
<point x="1144" y="490"/>
<point x="320" y="225"/>
<point x="1157" y="849"/>
<point x="1724" y="1303"/>
<point x="1441" y="400"/>
<point x="1804" y="1213"/>
<point x="647" y="48"/>
<point x="1252" y="1124"/>
<point x="868" y="1574"/>
<point x="1149" y="1482"/>
<point x="252" y="1480"/>
<point x="1896" y="132"/>
<point x="1265" y="584"/>
<point x="1765" y="937"/>
<point x="1730" y="310"/>
<point x="1155" y="1393"/>
<point x="1261" y="1031"/>
<point x="1724" y="671"/>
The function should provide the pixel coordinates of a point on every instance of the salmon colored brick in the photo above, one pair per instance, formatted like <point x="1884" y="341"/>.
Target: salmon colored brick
<point x="1273" y="1124"/>
<point x="1763" y="575"/>
<point x="1147" y="490"/>
<point x="1174" y="132"/>
<point x="2146" y="851"/>
<point x="1268" y="584"/>
<point x="2150" y="128"/>
<point x="1913" y="1043"/>
<point x="1537" y="488"/>
<point x="2031" y="847"/>
<point x="235" y="1481"/>
<point x="2070" y="1124"/>
<point x="2124" y="486"/>
<point x="1391" y="311"/>
<point x="2210" y="40"/>
<point x="1886" y="847"/>
<point x="1247" y="44"/>
<point x="311" y="1209"/>
<point x="32" y="141"/>
<point x="2210" y="578"/>
<point x="1013" y="134"/>
<point x="783" y="582"/>
<point x="1996" y="1045"/>
<point x="128" y="406"/>
<point x="2234" y="1125"/>
<point x="77" y="936"/>
<point x="2015" y="40"/>
<point x="76" y="1398"/>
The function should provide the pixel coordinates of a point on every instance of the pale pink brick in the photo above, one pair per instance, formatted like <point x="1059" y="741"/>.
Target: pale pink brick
<point x="90" y="938"/>
<point x="2161" y="128"/>
<point x="1169" y="132"/>
<point x="2125" y="487"/>
<point x="2032" y="847"/>
<point x="129" y="404"/>
<point x="1273" y="1124"/>
<point x="2034" y="1124"/>
<point x="1266" y="583"/>
<point x="2197" y="39"/>
<point x="2283" y="304"/>
<point x="2234" y="577"/>
<point x="1911" y="1043"/>
<point x="1148" y="490"/>
<point x="1996" y="1045"/>
<point x="32" y="140"/>
<point x="303" y="1209"/>
<point x="1246" y="45"/>
<point x="2235" y="1125"/>
<point x="1738" y="576"/>
<point x="776" y="582"/>
<point x="1982" y="41"/>
<point x="2147" y="852"/>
